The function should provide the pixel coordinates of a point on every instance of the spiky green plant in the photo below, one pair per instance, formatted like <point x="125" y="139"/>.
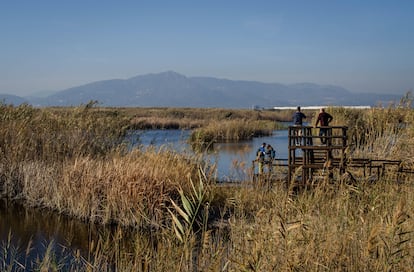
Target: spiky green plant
<point x="191" y="216"/>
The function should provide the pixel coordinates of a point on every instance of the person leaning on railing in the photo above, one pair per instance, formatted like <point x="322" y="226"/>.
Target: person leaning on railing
<point x="324" y="119"/>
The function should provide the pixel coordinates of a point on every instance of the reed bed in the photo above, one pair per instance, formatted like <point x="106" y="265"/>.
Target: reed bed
<point x="208" y="114"/>
<point x="28" y="133"/>
<point x="189" y="118"/>
<point x="332" y="228"/>
<point x="129" y="190"/>
<point x="231" y="130"/>
<point x="166" y="123"/>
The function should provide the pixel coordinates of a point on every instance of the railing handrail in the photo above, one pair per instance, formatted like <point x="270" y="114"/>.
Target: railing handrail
<point x="335" y="127"/>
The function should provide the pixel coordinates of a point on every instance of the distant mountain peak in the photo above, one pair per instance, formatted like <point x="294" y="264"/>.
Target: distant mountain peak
<point x="166" y="75"/>
<point x="171" y="74"/>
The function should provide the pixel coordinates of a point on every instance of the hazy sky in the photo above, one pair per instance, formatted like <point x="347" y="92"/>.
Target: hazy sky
<point x="362" y="45"/>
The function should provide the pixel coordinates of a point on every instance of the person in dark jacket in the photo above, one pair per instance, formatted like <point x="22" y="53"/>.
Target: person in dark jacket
<point x="323" y="119"/>
<point x="298" y="117"/>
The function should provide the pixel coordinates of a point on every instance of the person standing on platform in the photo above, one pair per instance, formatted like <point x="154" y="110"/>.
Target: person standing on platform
<point x="298" y="117"/>
<point x="323" y="119"/>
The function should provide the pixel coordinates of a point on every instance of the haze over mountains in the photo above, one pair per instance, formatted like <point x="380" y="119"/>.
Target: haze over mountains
<point x="170" y="89"/>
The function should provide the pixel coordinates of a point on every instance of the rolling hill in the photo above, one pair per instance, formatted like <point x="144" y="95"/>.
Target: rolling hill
<point x="171" y="89"/>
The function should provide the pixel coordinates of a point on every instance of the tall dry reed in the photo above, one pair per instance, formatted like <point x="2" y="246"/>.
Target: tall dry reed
<point x="130" y="190"/>
<point x="330" y="228"/>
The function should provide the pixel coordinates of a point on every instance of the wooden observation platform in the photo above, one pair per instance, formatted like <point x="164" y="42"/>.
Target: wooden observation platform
<point x="312" y="155"/>
<point x="310" y="152"/>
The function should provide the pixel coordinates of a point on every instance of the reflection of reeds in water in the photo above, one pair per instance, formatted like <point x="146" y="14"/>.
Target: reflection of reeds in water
<point x="240" y="169"/>
<point x="235" y="149"/>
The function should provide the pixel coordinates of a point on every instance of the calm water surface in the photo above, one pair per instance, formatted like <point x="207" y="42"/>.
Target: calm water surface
<point x="20" y="227"/>
<point x="233" y="160"/>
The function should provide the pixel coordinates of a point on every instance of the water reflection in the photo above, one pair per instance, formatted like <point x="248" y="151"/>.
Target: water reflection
<point x="33" y="232"/>
<point x="175" y="139"/>
<point x="37" y="228"/>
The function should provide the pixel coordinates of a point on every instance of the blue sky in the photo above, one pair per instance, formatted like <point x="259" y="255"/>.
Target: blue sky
<point x="364" y="46"/>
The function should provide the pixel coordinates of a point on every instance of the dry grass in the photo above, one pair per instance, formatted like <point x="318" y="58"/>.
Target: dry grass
<point x="130" y="190"/>
<point x="207" y="113"/>
<point x="189" y="118"/>
<point x="331" y="228"/>
<point x="165" y="123"/>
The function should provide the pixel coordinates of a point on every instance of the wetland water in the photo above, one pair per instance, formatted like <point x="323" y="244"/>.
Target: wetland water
<point x="233" y="159"/>
<point x="233" y="162"/>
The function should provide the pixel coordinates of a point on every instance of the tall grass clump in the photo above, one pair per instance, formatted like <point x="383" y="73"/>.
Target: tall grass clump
<point x="126" y="189"/>
<point x="29" y="135"/>
<point x="233" y="130"/>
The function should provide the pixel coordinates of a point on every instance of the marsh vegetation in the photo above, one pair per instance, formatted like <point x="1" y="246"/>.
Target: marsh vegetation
<point x="72" y="161"/>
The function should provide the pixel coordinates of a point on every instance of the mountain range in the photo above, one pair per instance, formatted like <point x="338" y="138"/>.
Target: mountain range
<point x="171" y="89"/>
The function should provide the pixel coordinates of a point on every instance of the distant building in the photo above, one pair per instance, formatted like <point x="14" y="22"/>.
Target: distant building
<point x="257" y="107"/>
<point x="318" y="107"/>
